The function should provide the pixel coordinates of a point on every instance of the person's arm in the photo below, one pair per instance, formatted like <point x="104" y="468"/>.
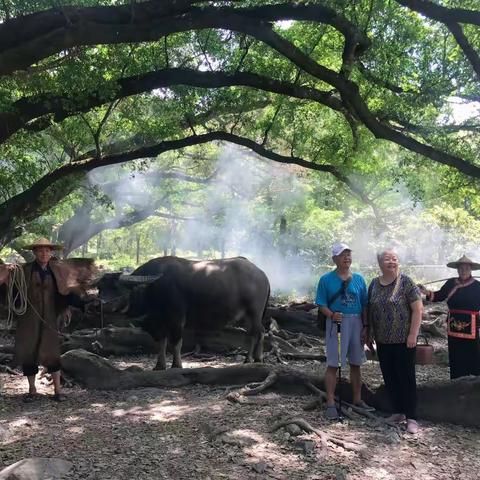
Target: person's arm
<point x="322" y="302"/>
<point x="364" y="314"/>
<point x="440" y="295"/>
<point x="416" y="320"/>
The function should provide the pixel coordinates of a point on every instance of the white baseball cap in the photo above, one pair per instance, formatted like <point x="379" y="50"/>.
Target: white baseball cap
<point x="338" y="248"/>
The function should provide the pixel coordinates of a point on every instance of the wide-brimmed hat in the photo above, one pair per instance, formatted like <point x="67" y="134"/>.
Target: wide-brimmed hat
<point x="43" y="242"/>
<point x="466" y="260"/>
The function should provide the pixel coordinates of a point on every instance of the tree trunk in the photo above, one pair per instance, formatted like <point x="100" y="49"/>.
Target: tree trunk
<point x="137" y="253"/>
<point x="99" y="244"/>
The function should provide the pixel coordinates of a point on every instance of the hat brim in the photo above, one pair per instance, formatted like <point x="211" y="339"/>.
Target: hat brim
<point x="473" y="265"/>
<point x="50" y="245"/>
<point x="344" y="250"/>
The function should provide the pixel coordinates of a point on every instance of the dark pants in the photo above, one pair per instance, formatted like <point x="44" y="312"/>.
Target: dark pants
<point x="464" y="357"/>
<point x="397" y="363"/>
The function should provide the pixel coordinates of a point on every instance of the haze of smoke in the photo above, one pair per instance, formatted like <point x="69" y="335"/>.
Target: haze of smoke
<point x="234" y="221"/>
<point x="234" y="217"/>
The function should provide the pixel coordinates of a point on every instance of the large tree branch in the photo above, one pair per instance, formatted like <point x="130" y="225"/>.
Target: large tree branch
<point x="42" y="195"/>
<point x="72" y="239"/>
<point x="26" y="40"/>
<point x="30" y="108"/>
<point x="204" y="18"/>
<point x="451" y="18"/>
<point x="80" y="227"/>
<point x="442" y="14"/>
<point x="465" y="45"/>
<point x="349" y="90"/>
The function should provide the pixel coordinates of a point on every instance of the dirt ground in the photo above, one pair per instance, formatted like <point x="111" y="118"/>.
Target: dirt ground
<point x="171" y="434"/>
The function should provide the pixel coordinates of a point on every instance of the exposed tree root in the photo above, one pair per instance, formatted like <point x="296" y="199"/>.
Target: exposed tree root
<point x="253" y="389"/>
<point x="7" y="369"/>
<point x="324" y="438"/>
<point x="434" y="400"/>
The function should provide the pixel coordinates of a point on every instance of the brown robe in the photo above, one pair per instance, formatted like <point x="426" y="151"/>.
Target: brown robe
<point x="37" y="339"/>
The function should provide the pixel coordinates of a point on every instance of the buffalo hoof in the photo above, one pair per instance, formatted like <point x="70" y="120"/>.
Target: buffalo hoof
<point x="177" y="366"/>
<point x="160" y="367"/>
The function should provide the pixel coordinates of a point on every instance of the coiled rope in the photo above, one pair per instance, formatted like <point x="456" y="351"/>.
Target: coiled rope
<point x="16" y="294"/>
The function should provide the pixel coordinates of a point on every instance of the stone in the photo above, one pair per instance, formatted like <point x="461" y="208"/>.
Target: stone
<point x="37" y="469"/>
<point x="392" y="438"/>
<point x="259" y="467"/>
<point x="293" y="429"/>
<point x="339" y="475"/>
<point x="307" y="446"/>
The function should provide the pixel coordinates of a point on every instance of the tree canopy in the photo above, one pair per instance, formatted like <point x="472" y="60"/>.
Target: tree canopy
<point x="367" y="93"/>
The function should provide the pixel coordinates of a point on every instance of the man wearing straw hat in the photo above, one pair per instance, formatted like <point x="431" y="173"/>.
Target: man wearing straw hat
<point x="462" y="295"/>
<point x="49" y="287"/>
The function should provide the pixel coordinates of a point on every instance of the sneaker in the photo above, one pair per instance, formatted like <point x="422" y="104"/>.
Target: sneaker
<point x="412" y="426"/>
<point x="362" y="405"/>
<point x="331" y="413"/>
<point x="397" y="418"/>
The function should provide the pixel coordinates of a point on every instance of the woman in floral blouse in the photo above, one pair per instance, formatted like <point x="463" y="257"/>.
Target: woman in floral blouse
<point x="395" y="313"/>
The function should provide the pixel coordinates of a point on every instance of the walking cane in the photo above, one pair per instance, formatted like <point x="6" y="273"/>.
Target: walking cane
<point x="339" y="342"/>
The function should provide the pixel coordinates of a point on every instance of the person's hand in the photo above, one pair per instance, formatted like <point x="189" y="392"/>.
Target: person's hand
<point x="337" y="317"/>
<point x="411" y="341"/>
<point x="10" y="266"/>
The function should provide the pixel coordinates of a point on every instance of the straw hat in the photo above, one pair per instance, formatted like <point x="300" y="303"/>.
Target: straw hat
<point x="43" y="242"/>
<point x="464" y="259"/>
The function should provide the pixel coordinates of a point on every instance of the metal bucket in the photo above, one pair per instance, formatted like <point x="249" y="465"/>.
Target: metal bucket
<point x="424" y="353"/>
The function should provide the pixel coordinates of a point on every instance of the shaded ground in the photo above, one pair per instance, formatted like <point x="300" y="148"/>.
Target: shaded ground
<point x="167" y="434"/>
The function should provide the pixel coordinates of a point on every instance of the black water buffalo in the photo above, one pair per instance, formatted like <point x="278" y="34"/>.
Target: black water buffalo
<point x="202" y="295"/>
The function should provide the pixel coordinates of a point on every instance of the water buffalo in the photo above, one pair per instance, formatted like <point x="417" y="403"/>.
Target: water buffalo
<point x="202" y="295"/>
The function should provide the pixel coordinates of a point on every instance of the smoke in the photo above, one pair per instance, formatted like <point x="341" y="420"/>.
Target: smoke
<point x="425" y="239"/>
<point x="245" y="215"/>
<point x="268" y="213"/>
<point x="122" y="188"/>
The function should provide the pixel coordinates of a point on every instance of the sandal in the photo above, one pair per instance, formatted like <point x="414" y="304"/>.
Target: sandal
<point x="363" y="406"/>
<point x="331" y="413"/>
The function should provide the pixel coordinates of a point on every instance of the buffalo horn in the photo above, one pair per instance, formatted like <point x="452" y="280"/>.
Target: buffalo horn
<point x="138" y="278"/>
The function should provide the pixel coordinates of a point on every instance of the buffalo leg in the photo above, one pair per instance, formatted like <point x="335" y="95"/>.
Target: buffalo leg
<point x="258" y="351"/>
<point x="177" y="354"/>
<point x="162" y="355"/>
<point x="255" y="350"/>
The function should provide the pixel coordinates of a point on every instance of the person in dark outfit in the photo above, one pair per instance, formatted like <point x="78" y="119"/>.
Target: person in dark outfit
<point x="462" y="295"/>
<point x="394" y="316"/>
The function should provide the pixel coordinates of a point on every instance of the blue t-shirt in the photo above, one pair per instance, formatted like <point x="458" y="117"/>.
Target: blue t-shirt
<point x="353" y="302"/>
